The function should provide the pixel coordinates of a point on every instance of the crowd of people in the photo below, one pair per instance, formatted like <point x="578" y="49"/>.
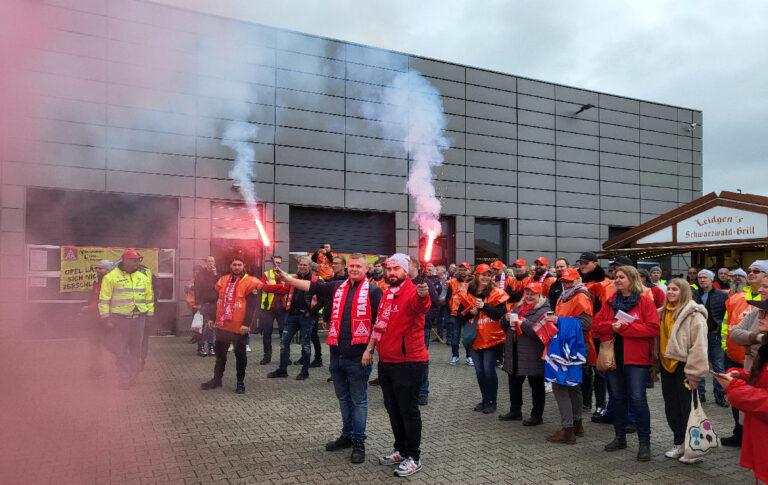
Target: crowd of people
<point x="584" y="334"/>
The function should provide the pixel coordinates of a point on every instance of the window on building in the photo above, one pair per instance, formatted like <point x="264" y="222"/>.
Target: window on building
<point x="490" y="240"/>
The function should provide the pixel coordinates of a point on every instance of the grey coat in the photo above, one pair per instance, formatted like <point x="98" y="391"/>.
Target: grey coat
<point x="522" y="354"/>
<point x="745" y="333"/>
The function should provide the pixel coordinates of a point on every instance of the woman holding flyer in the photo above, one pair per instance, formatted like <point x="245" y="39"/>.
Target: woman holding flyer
<point x="632" y="323"/>
<point x="683" y="356"/>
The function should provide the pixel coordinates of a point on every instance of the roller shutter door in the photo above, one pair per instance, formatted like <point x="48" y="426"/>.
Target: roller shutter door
<point x="347" y="231"/>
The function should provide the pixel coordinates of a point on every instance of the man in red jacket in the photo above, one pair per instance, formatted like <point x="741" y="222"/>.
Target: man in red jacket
<point x="403" y="361"/>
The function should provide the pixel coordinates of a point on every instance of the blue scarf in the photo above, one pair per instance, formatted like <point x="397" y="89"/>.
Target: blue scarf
<point x="624" y="303"/>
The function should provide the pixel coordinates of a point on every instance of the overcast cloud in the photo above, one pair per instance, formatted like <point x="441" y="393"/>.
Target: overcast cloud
<point x="707" y="55"/>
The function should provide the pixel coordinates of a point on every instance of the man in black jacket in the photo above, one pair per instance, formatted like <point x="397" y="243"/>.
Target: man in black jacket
<point x="205" y="300"/>
<point x="556" y="289"/>
<point x="714" y="301"/>
<point x="299" y="307"/>
<point x="351" y="318"/>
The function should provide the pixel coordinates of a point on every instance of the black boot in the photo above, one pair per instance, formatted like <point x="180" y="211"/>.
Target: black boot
<point x="358" y="452"/>
<point x="533" y="421"/>
<point x="316" y="363"/>
<point x="240" y="389"/>
<point x="266" y="360"/>
<point x="339" y="443"/>
<point x="618" y="443"/>
<point x="511" y="416"/>
<point x="735" y="440"/>
<point x="212" y="384"/>
<point x="644" y="450"/>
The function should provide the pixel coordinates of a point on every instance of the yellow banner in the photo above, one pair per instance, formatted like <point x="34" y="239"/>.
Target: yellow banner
<point x="78" y="265"/>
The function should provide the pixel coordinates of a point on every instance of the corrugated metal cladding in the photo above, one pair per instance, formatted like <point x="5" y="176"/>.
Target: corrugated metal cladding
<point x="109" y="114"/>
<point x="365" y="232"/>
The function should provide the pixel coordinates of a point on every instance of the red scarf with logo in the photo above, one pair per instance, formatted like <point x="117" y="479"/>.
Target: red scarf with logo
<point x="361" y="314"/>
<point x="230" y="294"/>
<point x="384" y="313"/>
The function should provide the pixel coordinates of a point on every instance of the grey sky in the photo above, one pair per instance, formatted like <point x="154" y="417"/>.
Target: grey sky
<point x="708" y="55"/>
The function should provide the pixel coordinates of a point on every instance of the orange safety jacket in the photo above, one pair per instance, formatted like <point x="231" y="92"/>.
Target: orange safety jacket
<point x="736" y="307"/>
<point x="489" y="331"/>
<point x="457" y="288"/>
<point x="248" y="284"/>
<point x="579" y="304"/>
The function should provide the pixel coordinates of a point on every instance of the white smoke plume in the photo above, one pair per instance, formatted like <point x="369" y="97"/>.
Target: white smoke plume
<point x="238" y="88"/>
<point x="415" y="105"/>
<point x="237" y="137"/>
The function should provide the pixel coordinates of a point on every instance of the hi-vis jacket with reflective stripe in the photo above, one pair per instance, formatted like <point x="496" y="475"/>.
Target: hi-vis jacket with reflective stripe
<point x="267" y="298"/>
<point x="123" y="292"/>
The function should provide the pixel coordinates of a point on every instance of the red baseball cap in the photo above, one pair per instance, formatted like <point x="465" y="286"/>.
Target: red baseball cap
<point x="542" y="260"/>
<point x="497" y="264"/>
<point x="482" y="268"/>
<point x="520" y="262"/>
<point x="131" y="253"/>
<point x="570" y="274"/>
<point x="535" y="287"/>
<point x="465" y="265"/>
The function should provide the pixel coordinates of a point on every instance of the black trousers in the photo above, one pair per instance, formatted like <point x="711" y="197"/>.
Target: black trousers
<point x="400" y="384"/>
<point x="677" y="401"/>
<point x="536" y="383"/>
<point x="598" y="383"/>
<point x="316" y="339"/>
<point x="223" y="341"/>
<point x="738" y="429"/>
<point x="586" y="385"/>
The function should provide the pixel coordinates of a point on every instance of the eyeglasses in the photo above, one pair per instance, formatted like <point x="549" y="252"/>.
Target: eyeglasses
<point x="754" y="271"/>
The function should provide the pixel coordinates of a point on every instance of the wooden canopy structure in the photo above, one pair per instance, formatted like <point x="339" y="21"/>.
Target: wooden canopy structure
<point x="728" y="221"/>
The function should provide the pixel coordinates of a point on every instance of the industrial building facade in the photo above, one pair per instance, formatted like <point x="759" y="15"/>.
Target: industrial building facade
<point x="534" y="168"/>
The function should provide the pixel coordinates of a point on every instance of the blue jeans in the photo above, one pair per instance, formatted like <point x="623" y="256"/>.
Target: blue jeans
<point x="442" y="320"/>
<point x="609" y="407"/>
<point x="485" y="368"/>
<point x="129" y="333"/>
<point x="456" y="324"/>
<point x="717" y="359"/>
<point x="350" y="381"/>
<point x="293" y="324"/>
<point x="627" y="383"/>
<point x="266" y="325"/>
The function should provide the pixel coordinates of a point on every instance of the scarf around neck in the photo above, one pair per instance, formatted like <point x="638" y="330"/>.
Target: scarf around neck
<point x="624" y="303"/>
<point x="230" y="295"/>
<point x="360" y="320"/>
<point x="570" y="293"/>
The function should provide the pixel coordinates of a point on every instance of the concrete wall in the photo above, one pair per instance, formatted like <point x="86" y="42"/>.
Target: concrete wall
<point x="110" y="111"/>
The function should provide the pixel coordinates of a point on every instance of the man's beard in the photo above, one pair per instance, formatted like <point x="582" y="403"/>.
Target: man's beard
<point x="395" y="281"/>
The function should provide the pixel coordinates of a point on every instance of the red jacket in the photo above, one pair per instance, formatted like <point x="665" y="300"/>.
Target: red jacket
<point x="659" y="297"/>
<point x="403" y="340"/>
<point x="752" y="400"/>
<point x="638" y="337"/>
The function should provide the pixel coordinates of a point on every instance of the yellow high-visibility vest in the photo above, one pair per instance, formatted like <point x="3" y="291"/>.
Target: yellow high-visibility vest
<point x="126" y="293"/>
<point x="266" y="298"/>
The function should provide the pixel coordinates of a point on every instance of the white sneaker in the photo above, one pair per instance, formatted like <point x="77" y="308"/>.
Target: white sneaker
<point x="247" y="348"/>
<point x="689" y="461"/>
<point x="454" y="360"/>
<point x="231" y="348"/>
<point x="391" y="458"/>
<point x="470" y="362"/>
<point x="675" y="453"/>
<point x="408" y="467"/>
